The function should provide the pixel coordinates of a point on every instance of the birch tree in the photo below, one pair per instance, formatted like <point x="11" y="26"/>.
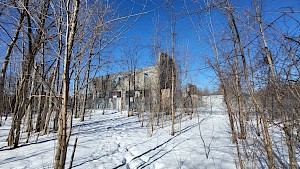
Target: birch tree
<point x="71" y="23"/>
<point x="34" y="45"/>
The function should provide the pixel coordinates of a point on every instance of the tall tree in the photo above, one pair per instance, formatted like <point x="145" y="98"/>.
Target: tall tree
<point x="284" y="114"/>
<point x="71" y="24"/>
<point x="34" y="45"/>
<point x="22" y="14"/>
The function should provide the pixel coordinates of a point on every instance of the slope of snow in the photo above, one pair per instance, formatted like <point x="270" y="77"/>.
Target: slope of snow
<point x="114" y="140"/>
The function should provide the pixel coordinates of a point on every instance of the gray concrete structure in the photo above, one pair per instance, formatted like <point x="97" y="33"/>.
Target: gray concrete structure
<point x="135" y="89"/>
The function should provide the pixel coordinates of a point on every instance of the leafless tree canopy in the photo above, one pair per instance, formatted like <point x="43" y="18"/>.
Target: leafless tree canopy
<point x="53" y="50"/>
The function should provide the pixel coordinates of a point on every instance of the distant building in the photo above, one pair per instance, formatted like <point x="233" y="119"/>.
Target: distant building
<point x="135" y="89"/>
<point x="213" y="102"/>
<point x="190" y="96"/>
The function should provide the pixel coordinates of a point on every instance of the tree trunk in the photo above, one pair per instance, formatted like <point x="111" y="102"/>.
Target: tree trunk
<point x="173" y="90"/>
<point x="61" y="147"/>
<point x="73" y="153"/>
<point x="57" y="84"/>
<point x="50" y="100"/>
<point x="267" y="140"/>
<point x="6" y="61"/>
<point x="239" y="99"/>
<point x="286" y="127"/>
<point x="56" y="99"/>
<point x="34" y="46"/>
<point x="87" y="76"/>
<point x="76" y="92"/>
<point x="230" y="114"/>
<point x="38" y="126"/>
<point x="29" y="127"/>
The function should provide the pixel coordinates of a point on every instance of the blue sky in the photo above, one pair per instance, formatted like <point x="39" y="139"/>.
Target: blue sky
<point x="192" y="53"/>
<point x="187" y="43"/>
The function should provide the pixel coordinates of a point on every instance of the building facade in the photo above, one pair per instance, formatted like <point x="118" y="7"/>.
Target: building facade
<point x="135" y="89"/>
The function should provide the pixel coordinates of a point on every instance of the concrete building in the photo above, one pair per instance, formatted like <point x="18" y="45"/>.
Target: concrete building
<point x="214" y="102"/>
<point x="135" y="89"/>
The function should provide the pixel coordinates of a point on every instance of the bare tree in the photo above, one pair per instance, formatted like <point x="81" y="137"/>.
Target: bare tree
<point x="87" y="79"/>
<point x="7" y="58"/>
<point x="286" y="128"/>
<point x="173" y="88"/>
<point x="34" y="46"/>
<point x="61" y="148"/>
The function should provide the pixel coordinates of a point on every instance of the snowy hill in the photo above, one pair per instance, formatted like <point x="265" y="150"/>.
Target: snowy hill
<point x="114" y="140"/>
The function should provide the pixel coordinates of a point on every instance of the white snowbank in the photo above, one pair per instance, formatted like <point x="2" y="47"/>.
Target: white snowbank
<point x="114" y="140"/>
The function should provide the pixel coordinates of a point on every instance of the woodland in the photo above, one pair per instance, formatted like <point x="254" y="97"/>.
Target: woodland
<point x="51" y="49"/>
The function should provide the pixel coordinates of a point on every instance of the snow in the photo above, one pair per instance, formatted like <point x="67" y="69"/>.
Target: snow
<point x="215" y="102"/>
<point x="114" y="140"/>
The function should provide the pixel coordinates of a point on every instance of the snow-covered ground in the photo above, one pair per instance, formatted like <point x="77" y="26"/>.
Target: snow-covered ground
<point x="114" y="140"/>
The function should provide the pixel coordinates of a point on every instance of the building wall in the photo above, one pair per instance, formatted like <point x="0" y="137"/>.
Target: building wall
<point x="135" y="89"/>
<point x="115" y="89"/>
<point x="214" y="102"/>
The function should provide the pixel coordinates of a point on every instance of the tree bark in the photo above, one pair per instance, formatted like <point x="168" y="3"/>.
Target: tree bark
<point x="34" y="45"/>
<point x="87" y="76"/>
<point x="29" y="126"/>
<point x="173" y="90"/>
<point x="61" y="147"/>
<point x="286" y="127"/>
<point x="6" y="61"/>
<point x="76" y="92"/>
<point x="50" y="100"/>
<point x="38" y="125"/>
<point x="267" y="139"/>
<point x="229" y="112"/>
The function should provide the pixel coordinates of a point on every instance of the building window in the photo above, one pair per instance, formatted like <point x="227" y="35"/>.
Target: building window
<point x="115" y="82"/>
<point x="115" y="94"/>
